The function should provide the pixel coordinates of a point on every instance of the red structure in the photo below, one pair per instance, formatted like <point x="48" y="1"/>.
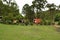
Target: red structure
<point x="37" y="21"/>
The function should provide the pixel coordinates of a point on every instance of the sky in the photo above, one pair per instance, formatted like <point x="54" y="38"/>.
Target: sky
<point x="21" y="3"/>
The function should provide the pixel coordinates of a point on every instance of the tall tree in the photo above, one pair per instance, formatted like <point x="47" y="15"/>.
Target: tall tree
<point x="52" y="9"/>
<point x="39" y="5"/>
<point x="1" y="7"/>
<point x="59" y="7"/>
<point x="29" y="12"/>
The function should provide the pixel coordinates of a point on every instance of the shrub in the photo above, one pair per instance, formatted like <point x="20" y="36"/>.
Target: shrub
<point x="58" y="22"/>
<point x="42" y="22"/>
<point x="45" y="22"/>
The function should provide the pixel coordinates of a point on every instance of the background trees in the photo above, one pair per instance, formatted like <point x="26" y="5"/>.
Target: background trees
<point x="9" y="10"/>
<point x="52" y="9"/>
<point x="36" y="11"/>
<point x="29" y="13"/>
<point x="39" y="5"/>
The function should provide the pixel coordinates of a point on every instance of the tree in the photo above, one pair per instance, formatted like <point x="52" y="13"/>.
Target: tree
<point x="52" y="9"/>
<point x="59" y="7"/>
<point x="1" y="5"/>
<point x="39" y="5"/>
<point x="10" y="10"/>
<point x="28" y="11"/>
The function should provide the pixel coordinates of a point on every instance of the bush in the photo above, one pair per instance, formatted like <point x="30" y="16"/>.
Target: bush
<point x="45" y="22"/>
<point x="7" y="21"/>
<point x="30" y="23"/>
<point x="58" y="22"/>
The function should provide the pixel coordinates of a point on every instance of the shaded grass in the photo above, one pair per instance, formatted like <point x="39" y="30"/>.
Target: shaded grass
<point x="35" y="32"/>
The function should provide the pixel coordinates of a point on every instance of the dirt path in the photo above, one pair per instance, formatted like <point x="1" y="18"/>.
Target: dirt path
<point x="57" y="28"/>
<point x="56" y="25"/>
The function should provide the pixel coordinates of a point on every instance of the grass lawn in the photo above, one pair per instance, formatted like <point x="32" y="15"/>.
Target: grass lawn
<point x="35" y="32"/>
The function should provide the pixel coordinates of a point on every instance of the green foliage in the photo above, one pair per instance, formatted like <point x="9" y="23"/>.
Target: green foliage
<point x="9" y="11"/>
<point x="38" y="5"/>
<point x="57" y="18"/>
<point x="29" y="14"/>
<point x="45" y="22"/>
<point x="19" y="17"/>
<point x="52" y="9"/>
<point x="29" y="11"/>
<point x="59" y="22"/>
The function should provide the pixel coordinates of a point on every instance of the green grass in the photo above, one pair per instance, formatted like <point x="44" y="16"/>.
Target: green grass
<point x="35" y="32"/>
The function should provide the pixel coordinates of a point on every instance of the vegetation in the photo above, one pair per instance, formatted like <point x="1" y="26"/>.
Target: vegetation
<point x="35" y="11"/>
<point x="9" y="12"/>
